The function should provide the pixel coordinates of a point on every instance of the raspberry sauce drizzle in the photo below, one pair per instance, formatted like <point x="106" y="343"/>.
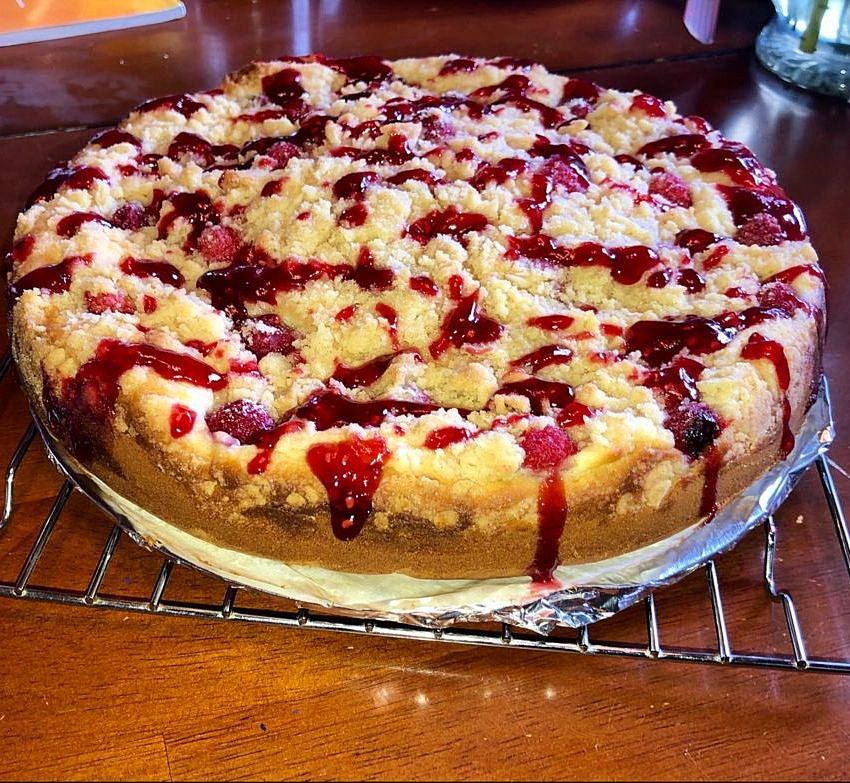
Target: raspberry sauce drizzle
<point x="350" y="472"/>
<point x="545" y="450"/>
<point x="70" y="225"/>
<point x="55" y="278"/>
<point x="182" y="420"/>
<point x="87" y="400"/>
<point x="447" y="436"/>
<point x="759" y="347"/>
<point x="363" y="374"/>
<point x="161" y="270"/>
<point x="465" y="325"/>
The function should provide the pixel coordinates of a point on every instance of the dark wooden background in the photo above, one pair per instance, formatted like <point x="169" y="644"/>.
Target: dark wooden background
<point x="88" y="694"/>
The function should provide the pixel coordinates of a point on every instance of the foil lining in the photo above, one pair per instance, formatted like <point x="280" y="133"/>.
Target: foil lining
<point x="585" y="593"/>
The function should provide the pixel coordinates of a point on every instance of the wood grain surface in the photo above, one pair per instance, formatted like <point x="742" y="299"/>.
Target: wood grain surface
<point x="101" y="694"/>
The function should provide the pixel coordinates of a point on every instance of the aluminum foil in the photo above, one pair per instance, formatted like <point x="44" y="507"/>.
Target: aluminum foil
<point x="586" y="592"/>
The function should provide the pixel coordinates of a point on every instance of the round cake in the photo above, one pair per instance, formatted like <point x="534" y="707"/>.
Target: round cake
<point x="445" y="317"/>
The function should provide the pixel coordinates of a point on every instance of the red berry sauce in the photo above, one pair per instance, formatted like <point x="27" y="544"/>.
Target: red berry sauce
<point x="182" y="420"/>
<point x="350" y="470"/>
<point x="465" y="325"/>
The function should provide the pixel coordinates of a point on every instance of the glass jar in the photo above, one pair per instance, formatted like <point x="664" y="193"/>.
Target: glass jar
<point x="807" y="43"/>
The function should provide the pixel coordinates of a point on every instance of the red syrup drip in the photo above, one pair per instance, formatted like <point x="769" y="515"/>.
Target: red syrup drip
<point x="691" y="280"/>
<point x="450" y="222"/>
<point x="350" y="471"/>
<point x="73" y="178"/>
<point x="695" y="240"/>
<point x="746" y="203"/>
<point x="161" y="270"/>
<point x="458" y="65"/>
<point x="543" y="357"/>
<point x="626" y="264"/>
<point x="366" y="68"/>
<point x="551" y="520"/>
<point x="390" y="315"/>
<point x="456" y="287"/>
<point x="114" y="136"/>
<point x="447" y="436"/>
<point x="396" y="153"/>
<point x="580" y="89"/>
<point x="182" y="104"/>
<point x="465" y="325"/>
<point x="684" y="145"/>
<point x="355" y="185"/>
<point x="708" y="502"/>
<point x="328" y="409"/>
<point x="428" y="109"/>
<point x="364" y="374"/>
<point x="414" y="175"/>
<point x="499" y="172"/>
<point x="648" y="104"/>
<point x="732" y="159"/>
<point x="88" y="399"/>
<point x="55" y="279"/>
<point x="356" y="215"/>
<point x="200" y="149"/>
<point x="789" y="275"/>
<point x="424" y="285"/>
<point x="715" y="257"/>
<point x="182" y="420"/>
<point x="195" y="208"/>
<point x="69" y="225"/>
<point x="542" y="395"/>
<point x="266" y="441"/>
<point x="259" y="278"/>
<point x="513" y="90"/>
<point x="368" y="276"/>
<point x="759" y="347"/>
<point x="346" y="313"/>
<point x="552" y="323"/>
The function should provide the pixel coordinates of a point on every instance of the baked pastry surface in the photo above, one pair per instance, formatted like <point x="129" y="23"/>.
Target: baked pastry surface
<point x="445" y="317"/>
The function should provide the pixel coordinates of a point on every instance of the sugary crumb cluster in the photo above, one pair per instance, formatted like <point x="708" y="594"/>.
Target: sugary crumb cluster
<point x="432" y="287"/>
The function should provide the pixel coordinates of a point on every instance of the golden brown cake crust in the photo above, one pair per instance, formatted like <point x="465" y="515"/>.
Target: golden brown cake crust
<point x="632" y="453"/>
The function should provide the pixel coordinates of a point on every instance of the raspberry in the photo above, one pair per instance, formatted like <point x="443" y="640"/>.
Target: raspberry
<point x="241" y="419"/>
<point x="671" y="188"/>
<point x="219" y="243"/>
<point x="762" y="229"/>
<point x="282" y="152"/>
<point x="780" y="296"/>
<point x="266" y="334"/>
<point x="131" y="216"/>
<point x="694" y="427"/>
<point x="564" y="175"/>
<point x="546" y="448"/>
<point x="103" y="302"/>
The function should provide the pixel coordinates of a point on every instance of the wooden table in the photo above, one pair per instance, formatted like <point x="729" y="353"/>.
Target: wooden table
<point x="88" y="693"/>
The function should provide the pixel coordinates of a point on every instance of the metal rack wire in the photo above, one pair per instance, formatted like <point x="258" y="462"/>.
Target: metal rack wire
<point x="300" y="617"/>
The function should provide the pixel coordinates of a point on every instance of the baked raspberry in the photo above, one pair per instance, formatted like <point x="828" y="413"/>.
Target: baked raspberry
<point x="219" y="243"/>
<point x="105" y="302"/>
<point x="762" y="229"/>
<point x="131" y="216"/>
<point x="694" y="427"/>
<point x="780" y="296"/>
<point x="241" y="419"/>
<point x="281" y="153"/>
<point x="671" y="188"/>
<point x="266" y="334"/>
<point x="546" y="448"/>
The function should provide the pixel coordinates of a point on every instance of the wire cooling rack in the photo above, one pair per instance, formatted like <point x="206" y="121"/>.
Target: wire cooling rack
<point x="569" y="641"/>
